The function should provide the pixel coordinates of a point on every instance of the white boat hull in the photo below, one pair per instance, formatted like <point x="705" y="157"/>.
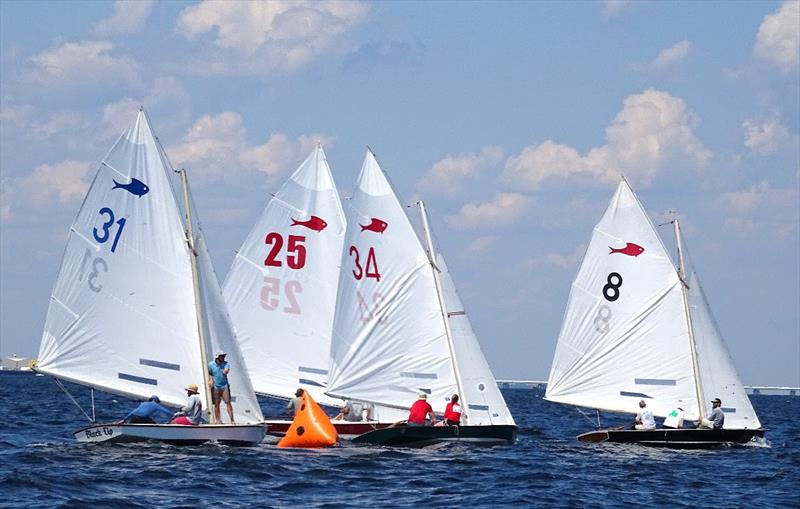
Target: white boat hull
<point x="175" y="434"/>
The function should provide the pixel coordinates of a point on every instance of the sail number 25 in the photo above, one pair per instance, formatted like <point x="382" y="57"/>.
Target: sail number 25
<point x="295" y="251"/>
<point x="370" y="269"/>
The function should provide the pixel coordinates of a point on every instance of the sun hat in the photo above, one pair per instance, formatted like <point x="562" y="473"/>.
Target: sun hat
<point x="220" y="353"/>
<point x="193" y="388"/>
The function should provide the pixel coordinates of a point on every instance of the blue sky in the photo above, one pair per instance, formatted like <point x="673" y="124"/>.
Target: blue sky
<point x="513" y="120"/>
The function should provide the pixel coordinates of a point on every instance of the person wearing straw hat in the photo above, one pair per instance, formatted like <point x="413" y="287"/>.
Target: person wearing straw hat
<point x="191" y="413"/>
<point x="418" y="415"/>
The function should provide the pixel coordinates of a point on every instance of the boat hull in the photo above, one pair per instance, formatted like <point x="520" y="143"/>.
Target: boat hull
<point x="674" y="438"/>
<point x="422" y="436"/>
<point x="175" y="434"/>
<point x="345" y="430"/>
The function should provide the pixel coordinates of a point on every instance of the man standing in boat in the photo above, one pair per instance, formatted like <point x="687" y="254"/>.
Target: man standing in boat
<point x="717" y="418"/>
<point x="218" y="370"/>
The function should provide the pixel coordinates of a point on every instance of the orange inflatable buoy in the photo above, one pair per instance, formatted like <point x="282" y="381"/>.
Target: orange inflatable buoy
<point x="311" y="428"/>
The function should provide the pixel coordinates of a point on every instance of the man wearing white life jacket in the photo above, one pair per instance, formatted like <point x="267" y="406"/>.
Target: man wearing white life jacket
<point x="644" y="419"/>
<point x="452" y="412"/>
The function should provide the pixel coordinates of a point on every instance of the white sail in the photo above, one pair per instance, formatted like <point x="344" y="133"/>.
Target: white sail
<point x="625" y="335"/>
<point x="484" y="402"/>
<point x="718" y="375"/>
<point x="389" y="342"/>
<point x="220" y="337"/>
<point x="122" y="313"/>
<point x="281" y="289"/>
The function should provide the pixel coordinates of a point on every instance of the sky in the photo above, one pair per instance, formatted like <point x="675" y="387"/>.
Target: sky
<point x="512" y="120"/>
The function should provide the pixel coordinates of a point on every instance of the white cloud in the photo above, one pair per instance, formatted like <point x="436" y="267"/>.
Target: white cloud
<point x="60" y="121"/>
<point x="448" y="175"/>
<point x="761" y="209"/>
<point x="504" y="209"/>
<point x="129" y="18"/>
<point x="667" y="57"/>
<point x="117" y="115"/>
<point x="85" y="61"/>
<point x="778" y="40"/>
<point x="765" y="137"/>
<point x="64" y="182"/>
<point x="481" y="244"/>
<point x="615" y="8"/>
<point x="652" y="128"/>
<point x="217" y="145"/>
<point x="279" y="34"/>
<point x="555" y="259"/>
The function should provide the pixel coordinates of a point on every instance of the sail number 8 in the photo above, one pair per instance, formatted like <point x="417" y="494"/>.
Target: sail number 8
<point x="611" y="289"/>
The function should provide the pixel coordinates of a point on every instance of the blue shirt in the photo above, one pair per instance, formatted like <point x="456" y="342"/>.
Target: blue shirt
<point x="215" y="370"/>
<point x="152" y="410"/>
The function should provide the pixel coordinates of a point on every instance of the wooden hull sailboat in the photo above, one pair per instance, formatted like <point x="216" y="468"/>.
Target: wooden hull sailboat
<point x="422" y="436"/>
<point x="697" y="438"/>
<point x="638" y="336"/>
<point x="400" y="329"/>
<point x="136" y="307"/>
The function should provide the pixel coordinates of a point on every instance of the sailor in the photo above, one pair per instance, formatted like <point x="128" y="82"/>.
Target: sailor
<point x="294" y="403"/>
<point x="218" y="370"/>
<point x="191" y="413"/>
<point x="353" y="411"/>
<point x="644" y="419"/>
<point x="149" y="412"/>
<point x="452" y="412"/>
<point x="418" y="415"/>
<point x="674" y="419"/>
<point x="717" y="418"/>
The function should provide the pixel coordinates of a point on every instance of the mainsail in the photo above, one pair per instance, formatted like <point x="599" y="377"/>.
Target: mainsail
<point x="122" y="315"/>
<point x="625" y="336"/>
<point x="634" y="329"/>
<point x="389" y="341"/>
<point x="281" y="289"/>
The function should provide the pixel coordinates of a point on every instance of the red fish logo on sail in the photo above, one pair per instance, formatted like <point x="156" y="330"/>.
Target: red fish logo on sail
<point x="630" y="249"/>
<point x="376" y="225"/>
<point x="313" y="223"/>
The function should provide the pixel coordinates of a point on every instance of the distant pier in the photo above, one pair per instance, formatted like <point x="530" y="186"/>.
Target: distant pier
<point x="763" y="390"/>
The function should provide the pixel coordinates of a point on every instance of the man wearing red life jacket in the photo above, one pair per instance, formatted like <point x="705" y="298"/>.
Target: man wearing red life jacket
<point x="452" y="412"/>
<point x="418" y="416"/>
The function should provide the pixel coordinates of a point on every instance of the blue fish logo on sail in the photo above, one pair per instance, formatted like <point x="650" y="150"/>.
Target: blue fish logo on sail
<point x="136" y="187"/>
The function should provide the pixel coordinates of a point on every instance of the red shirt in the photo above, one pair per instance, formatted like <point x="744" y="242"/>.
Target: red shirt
<point x="452" y="412"/>
<point x="419" y="410"/>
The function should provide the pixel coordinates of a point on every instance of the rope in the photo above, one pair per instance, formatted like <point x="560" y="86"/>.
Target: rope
<point x="58" y="382"/>
<point x="589" y="418"/>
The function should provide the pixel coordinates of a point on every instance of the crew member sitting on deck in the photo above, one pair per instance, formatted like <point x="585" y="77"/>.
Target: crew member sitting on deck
<point x="353" y="411"/>
<point x="452" y="412"/>
<point x="717" y="418"/>
<point x="644" y="419"/>
<point x="191" y="413"/>
<point x="418" y="416"/>
<point x="149" y="412"/>
<point x="294" y="403"/>
<point x="674" y="419"/>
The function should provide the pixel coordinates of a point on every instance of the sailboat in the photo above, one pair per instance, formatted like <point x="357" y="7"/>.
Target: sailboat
<point x="400" y="329"/>
<point x="281" y="290"/>
<point x="136" y="306"/>
<point x="638" y="328"/>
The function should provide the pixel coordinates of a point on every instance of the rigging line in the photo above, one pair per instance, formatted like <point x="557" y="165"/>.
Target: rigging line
<point x="63" y="388"/>
<point x="589" y="418"/>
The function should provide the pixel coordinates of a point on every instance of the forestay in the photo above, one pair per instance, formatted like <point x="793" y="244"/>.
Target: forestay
<point x="625" y="335"/>
<point x="389" y="342"/>
<point x="484" y="402"/>
<point x="122" y="314"/>
<point x="281" y="289"/>
<point x="718" y="375"/>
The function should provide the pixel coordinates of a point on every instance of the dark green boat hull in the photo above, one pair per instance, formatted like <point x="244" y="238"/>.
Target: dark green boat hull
<point x="674" y="438"/>
<point x="421" y="436"/>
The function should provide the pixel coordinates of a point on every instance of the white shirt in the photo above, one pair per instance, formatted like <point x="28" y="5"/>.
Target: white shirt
<point x="647" y="419"/>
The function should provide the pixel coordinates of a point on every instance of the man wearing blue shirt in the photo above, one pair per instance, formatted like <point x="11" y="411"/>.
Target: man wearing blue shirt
<point x="149" y="412"/>
<point x="218" y="370"/>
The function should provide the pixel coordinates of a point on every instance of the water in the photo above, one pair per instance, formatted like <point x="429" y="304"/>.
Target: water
<point x="42" y="466"/>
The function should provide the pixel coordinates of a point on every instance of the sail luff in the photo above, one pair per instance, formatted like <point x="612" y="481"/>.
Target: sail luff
<point x="443" y="308"/>
<point x="196" y="285"/>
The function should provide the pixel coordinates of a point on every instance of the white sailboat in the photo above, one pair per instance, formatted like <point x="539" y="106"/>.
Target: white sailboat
<point x="136" y="307"/>
<point x="281" y="289"/>
<point x="636" y="328"/>
<point x="400" y="329"/>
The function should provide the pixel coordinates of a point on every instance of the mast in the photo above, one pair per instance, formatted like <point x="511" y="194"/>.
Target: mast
<point x="196" y="285"/>
<point x="692" y="344"/>
<point x="442" y="307"/>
